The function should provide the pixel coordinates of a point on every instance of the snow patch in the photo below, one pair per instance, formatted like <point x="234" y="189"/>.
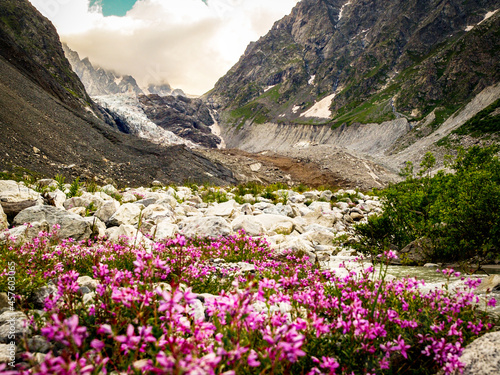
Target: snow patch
<point x="320" y="109"/>
<point x="488" y="15"/>
<point x="342" y="9"/>
<point x="268" y="88"/>
<point x="311" y="80"/>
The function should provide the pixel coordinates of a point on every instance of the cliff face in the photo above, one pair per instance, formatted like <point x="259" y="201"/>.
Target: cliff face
<point x="340" y="62"/>
<point x="30" y="42"/>
<point x="188" y="118"/>
<point x="49" y="125"/>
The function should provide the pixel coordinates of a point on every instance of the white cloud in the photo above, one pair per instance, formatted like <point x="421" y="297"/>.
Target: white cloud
<point x="184" y="42"/>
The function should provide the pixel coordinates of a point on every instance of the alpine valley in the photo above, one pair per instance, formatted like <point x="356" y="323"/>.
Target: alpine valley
<point x="336" y="93"/>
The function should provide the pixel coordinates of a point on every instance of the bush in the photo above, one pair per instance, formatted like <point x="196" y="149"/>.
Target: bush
<point x="458" y="213"/>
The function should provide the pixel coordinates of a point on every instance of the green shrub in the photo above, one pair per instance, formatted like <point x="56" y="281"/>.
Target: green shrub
<point x="458" y="213"/>
<point x="74" y="189"/>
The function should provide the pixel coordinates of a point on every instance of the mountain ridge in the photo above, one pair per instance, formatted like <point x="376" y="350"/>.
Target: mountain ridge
<point x="311" y="54"/>
<point x="341" y="63"/>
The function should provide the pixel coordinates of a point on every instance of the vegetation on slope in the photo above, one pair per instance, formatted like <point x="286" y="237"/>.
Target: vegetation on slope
<point x="455" y="215"/>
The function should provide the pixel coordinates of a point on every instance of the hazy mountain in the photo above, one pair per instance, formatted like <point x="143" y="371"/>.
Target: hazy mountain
<point x="49" y="124"/>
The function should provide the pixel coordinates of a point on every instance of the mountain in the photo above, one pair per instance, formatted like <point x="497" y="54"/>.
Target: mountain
<point x="50" y="125"/>
<point x="98" y="81"/>
<point x="165" y="116"/>
<point x="331" y="67"/>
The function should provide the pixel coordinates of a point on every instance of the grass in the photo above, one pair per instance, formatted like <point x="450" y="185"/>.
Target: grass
<point x="484" y="122"/>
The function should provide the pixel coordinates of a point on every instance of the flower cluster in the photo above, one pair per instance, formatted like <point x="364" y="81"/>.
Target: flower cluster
<point x="187" y="306"/>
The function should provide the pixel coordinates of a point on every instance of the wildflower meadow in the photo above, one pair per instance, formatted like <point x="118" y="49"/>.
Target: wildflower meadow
<point x="187" y="306"/>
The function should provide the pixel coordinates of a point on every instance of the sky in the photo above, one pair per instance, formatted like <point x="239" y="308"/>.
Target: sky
<point x="189" y="44"/>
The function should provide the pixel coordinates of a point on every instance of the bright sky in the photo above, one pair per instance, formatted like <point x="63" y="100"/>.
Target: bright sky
<point x="187" y="43"/>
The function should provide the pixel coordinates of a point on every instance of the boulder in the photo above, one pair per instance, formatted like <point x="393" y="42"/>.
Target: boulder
<point x="296" y="198"/>
<point x="323" y="207"/>
<point x="324" y="219"/>
<point x="86" y="200"/>
<point x="326" y="195"/>
<point x="5" y="353"/>
<point x="129" y="232"/>
<point x="280" y="209"/>
<point x="41" y="294"/>
<point x="102" y="195"/>
<point x="209" y="226"/>
<point x="71" y="225"/>
<point x="157" y="213"/>
<point x="126" y="214"/>
<point x="225" y="209"/>
<point x="19" y="328"/>
<point x="246" y="209"/>
<point x="81" y="211"/>
<point x="11" y="192"/>
<point x="146" y="202"/>
<point x="356" y="216"/>
<point x="319" y="236"/>
<point x="109" y="189"/>
<point x="250" y="224"/>
<point x="164" y="230"/>
<point x="55" y="198"/>
<point x="87" y="281"/>
<point x="276" y="223"/>
<point x="249" y="198"/>
<point x="489" y="284"/>
<point x="107" y="210"/>
<point x="96" y="225"/>
<point x="482" y="356"/>
<point x="3" y="220"/>
<point x="11" y="209"/>
<point x="311" y="195"/>
<point x="415" y="252"/>
<point x="187" y="210"/>
<point x="299" y="244"/>
<point x="343" y="206"/>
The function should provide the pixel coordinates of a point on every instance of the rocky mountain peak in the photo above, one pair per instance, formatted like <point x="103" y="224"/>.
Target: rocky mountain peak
<point x="379" y="59"/>
<point x="99" y="81"/>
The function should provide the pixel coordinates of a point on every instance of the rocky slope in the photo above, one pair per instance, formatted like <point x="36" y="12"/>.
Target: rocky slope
<point x="49" y="125"/>
<point x="188" y="118"/>
<point x="337" y="63"/>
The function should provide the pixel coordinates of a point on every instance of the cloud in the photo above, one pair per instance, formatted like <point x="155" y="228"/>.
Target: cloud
<point x="187" y="43"/>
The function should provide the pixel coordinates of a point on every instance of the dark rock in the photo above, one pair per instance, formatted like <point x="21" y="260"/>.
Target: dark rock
<point x="38" y="344"/>
<point x="416" y="252"/>
<point x="11" y="209"/>
<point x="187" y="118"/>
<point x="42" y="293"/>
